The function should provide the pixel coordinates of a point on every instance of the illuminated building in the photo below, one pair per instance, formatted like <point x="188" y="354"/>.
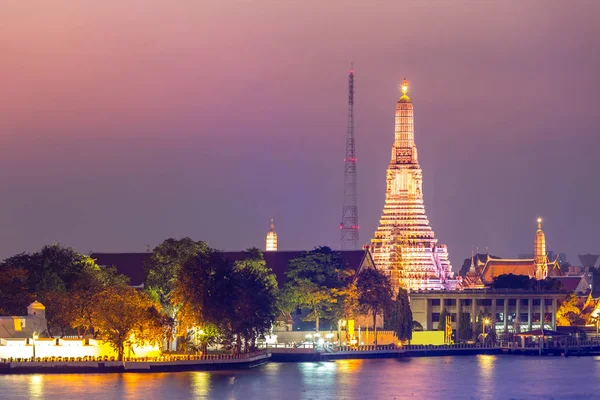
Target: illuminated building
<point x="271" y="238"/>
<point x="482" y="274"/>
<point x="404" y="245"/>
<point x="24" y="326"/>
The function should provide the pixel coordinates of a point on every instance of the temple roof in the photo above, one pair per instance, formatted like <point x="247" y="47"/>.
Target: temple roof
<point x="497" y="267"/>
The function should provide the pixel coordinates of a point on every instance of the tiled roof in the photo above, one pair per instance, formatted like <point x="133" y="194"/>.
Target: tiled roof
<point x="132" y="264"/>
<point x="499" y="267"/>
<point x="569" y="283"/>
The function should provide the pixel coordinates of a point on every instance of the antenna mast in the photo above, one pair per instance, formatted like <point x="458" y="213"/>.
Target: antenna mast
<point x="349" y="226"/>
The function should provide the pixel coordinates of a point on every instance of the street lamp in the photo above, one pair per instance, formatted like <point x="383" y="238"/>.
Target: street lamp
<point x="486" y="321"/>
<point x="34" y="337"/>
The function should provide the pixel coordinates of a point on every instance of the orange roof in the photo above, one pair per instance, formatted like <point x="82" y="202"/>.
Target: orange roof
<point x="497" y="267"/>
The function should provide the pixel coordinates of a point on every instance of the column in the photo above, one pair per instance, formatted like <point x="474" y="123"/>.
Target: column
<point x="542" y="306"/>
<point x="458" y="312"/>
<point x="505" y="315"/>
<point x="493" y="319"/>
<point x="529" y="305"/>
<point x="518" y="311"/>
<point x="554" y="313"/>
<point x="473" y="315"/>
<point x="427" y="326"/>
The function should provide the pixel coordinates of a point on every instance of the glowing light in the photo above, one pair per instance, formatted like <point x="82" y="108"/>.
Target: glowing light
<point x="404" y="87"/>
<point x="539" y="220"/>
<point x="486" y="321"/>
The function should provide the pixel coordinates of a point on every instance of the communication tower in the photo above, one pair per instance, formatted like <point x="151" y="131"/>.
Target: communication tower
<point x="349" y="226"/>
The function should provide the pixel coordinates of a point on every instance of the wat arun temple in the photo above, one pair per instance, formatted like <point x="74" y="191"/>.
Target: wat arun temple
<point x="404" y="246"/>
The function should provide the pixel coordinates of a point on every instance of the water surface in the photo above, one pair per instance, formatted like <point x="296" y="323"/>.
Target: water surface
<point x="466" y="377"/>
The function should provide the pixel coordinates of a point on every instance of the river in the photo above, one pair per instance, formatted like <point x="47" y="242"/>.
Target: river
<point x="466" y="377"/>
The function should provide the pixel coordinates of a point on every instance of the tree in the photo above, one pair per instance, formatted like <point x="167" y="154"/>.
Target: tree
<point x="162" y="269"/>
<point x="254" y="299"/>
<point x="123" y="315"/>
<point x="403" y="316"/>
<point x="311" y="280"/>
<point x="465" y="331"/>
<point x="163" y="266"/>
<point x="14" y="292"/>
<point x="60" y="277"/>
<point x="442" y="323"/>
<point x="203" y="291"/>
<point x="375" y="294"/>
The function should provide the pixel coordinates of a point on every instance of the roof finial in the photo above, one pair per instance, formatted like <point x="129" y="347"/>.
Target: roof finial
<point x="404" y="86"/>
<point x="539" y="221"/>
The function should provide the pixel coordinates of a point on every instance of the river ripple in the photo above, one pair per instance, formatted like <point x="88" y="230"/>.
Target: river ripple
<point x="466" y="377"/>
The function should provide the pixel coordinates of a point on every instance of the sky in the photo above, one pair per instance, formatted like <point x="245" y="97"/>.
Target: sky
<point x="125" y="122"/>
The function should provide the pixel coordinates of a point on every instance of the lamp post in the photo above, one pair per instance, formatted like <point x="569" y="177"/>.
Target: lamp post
<point x="486" y="321"/>
<point x="34" y="337"/>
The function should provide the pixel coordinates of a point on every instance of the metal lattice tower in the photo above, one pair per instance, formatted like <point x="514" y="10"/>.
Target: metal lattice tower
<point x="349" y="226"/>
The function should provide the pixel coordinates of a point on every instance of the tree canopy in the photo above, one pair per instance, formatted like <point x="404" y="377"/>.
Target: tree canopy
<point x="124" y="315"/>
<point x="510" y="281"/>
<point x="375" y="294"/>
<point x="316" y="280"/>
<point x="402" y="316"/>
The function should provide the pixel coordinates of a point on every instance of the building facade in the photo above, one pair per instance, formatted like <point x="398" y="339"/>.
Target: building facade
<point x="404" y="246"/>
<point x="509" y="310"/>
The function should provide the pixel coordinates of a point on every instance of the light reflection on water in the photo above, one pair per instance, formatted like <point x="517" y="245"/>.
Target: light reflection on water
<point x="479" y="377"/>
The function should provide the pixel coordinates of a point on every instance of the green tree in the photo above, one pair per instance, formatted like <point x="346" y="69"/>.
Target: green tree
<point x="403" y="318"/>
<point x="60" y="277"/>
<point x="254" y="298"/>
<point x="465" y="331"/>
<point x="311" y="280"/>
<point x="123" y="315"/>
<point x="14" y="291"/>
<point x="162" y="271"/>
<point x="204" y="292"/>
<point x="442" y="323"/>
<point x="375" y="294"/>
<point x="163" y="266"/>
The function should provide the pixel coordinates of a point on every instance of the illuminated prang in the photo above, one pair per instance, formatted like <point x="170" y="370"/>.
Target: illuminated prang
<point x="404" y="246"/>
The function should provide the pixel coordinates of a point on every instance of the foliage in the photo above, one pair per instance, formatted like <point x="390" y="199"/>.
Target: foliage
<point x="236" y="299"/>
<point x="163" y="266"/>
<point x="511" y="281"/>
<point x="442" y="323"/>
<point x="254" y="298"/>
<point x="465" y="332"/>
<point x="316" y="280"/>
<point x="59" y="277"/>
<point x="375" y="293"/>
<point x="14" y="293"/>
<point x="123" y="315"/>
<point x="402" y="316"/>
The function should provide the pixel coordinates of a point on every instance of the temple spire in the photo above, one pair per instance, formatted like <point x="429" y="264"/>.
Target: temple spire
<point x="271" y="243"/>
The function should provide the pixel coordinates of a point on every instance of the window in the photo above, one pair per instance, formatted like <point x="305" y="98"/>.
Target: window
<point x="536" y="302"/>
<point x="548" y="302"/>
<point x="499" y="317"/>
<point x="435" y="317"/>
<point x="512" y="302"/>
<point x="435" y="302"/>
<point x="524" y="317"/>
<point x="451" y="302"/>
<point x="524" y="302"/>
<point x="467" y="302"/>
<point x="484" y="302"/>
<point x="500" y="302"/>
